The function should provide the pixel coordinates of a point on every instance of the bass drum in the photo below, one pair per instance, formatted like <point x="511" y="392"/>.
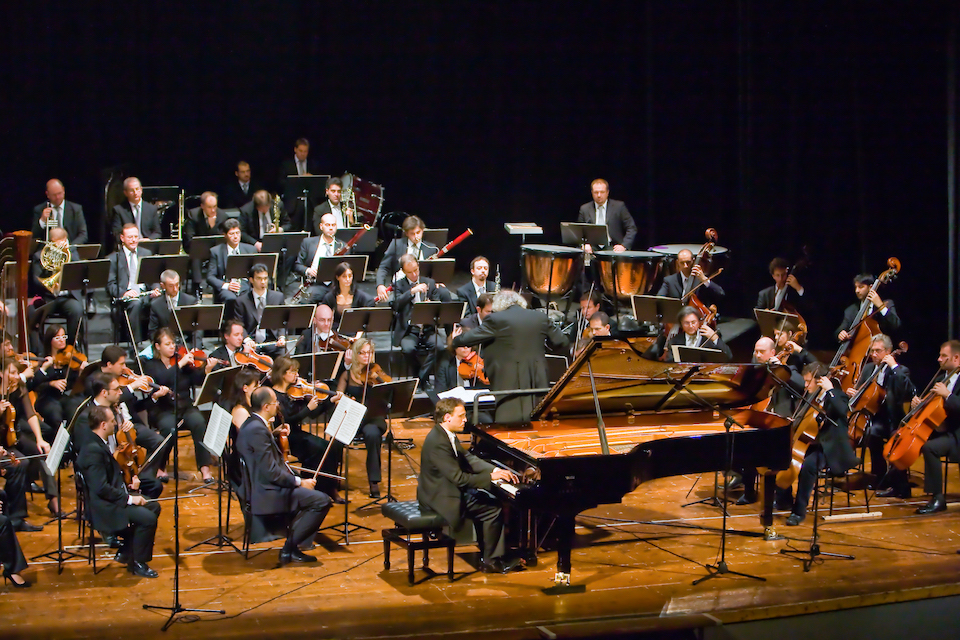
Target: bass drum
<point x="551" y="270"/>
<point x="367" y="196"/>
<point x="629" y="273"/>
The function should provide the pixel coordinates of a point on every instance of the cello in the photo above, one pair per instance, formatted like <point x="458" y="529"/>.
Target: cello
<point x="866" y="402"/>
<point x="903" y="449"/>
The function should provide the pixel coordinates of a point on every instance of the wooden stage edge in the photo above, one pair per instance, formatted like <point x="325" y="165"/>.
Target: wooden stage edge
<point x="637" y="561"/>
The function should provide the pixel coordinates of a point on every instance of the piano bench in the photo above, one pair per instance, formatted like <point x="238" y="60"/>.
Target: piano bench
<point x="411" y="521"/>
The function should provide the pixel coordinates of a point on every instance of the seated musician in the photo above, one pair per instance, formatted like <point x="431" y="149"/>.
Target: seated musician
<point x="894" y="378"/>
<point x="237" y="193"/>
<point x="11" y="556"/>
<point x="692" y="333"/>
<point x="513" y="339"/>
<point x="687" y="277"/>
<point x="883" y="311"/>
<point x="599" y="325"/>
<point x="274" y="488"/>
<point x="179" y="374"/>
<point x="172" y="298"/>
<point x="832" y="446"/>
<point x="225" y="291"/>
<point x="250" y="306"/>
<point x="112" y="508"/>
<point x="479" y="313"/>
<point x="308" y="448"/>
<point x="578" y="321"/>
<point x="17" y="480"/>
<point x="419" y="343"/>
<point x="331" y="205"/>
<point x="320" y="336"/>
<point x="453" y="481"/>
<point x="122" y="282"/>
<point x="233" y="342"/>
<point x="203" y="221"/>
<point x="33" y="437"/>
<point x="326" y="245"/>
<point x="621" y="229"/>
<point x="57" y="211"/>
<point x="478" y="285"/>
<point x="343" y="294"/>
<point x="356" y="382"/>
<point x="462" y="367"/>
<point x="135" y="211"/>
<point x="412" y="243"/>
<point x="67" y="304"/>
<point x="785" y="288"/>
<point x="946" y="440"/>
<point x="55" y="378"/>
<point x="256" y="219"/>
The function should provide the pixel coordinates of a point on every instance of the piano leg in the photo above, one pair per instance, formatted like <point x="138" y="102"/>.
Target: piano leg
<point x="766" y="516"/>
<point x="564" y="527"/>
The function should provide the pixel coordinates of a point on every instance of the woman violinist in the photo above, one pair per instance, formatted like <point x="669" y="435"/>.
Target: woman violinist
<point x="236" y="400"/>
<point x="56" y="376"/>
<point x="355" y="382"/>
<point x="298" y="402"/>
<point x="343" y="293"/>
<point x="179" y="374"/>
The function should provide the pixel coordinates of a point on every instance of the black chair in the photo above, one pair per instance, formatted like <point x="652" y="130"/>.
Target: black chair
<point x="85" y="522"/>
<point x="256" y="528"/>
<point x="411" y="520"/>
<point x="829" y="479"/>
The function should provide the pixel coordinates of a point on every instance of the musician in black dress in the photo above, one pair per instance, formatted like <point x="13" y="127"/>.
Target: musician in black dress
<point x="55" y="378"/>
<point x="11" y="557"/>
<point x="343" y="293"/>
<point x="883" y="311"/>
<point x="946" y="440"/>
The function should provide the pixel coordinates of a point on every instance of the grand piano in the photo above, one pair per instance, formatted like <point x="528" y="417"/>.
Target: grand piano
<point x="658" y="420"/>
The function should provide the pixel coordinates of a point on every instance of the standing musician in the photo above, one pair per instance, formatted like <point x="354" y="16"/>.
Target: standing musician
<point x="172" y="298"/>
<point x="11" y="557"/>
<point x="326" y="245"/>
<point x="343" y="216"/>
<point x="163" y="368"/>
<point x="693" y="333"/>
<point x="453" y="482"/>
<point x="143" y="215"/>
<point x="65" y="303"/>
<point x="480" y="312"/>
<point x="354" y="382"/>
<point x="250" y="306"/>
<point x="621" y="229"/>
<point x="478" y="285"/>
<point x="122" y="282"/>
<point x="274" y="488"/>
<point x="687" y="277"/>
<point x="946" y="441"/>
<point x="415" y="340"/>
<point x="225" y="291"/>
<point x="412" y="243"/>
<point x="832" y="446"/>
<point x="344" y="293"/>
<point x="238" y="193"/>
<point x="308" y="448"/>
<point x="785" y="288"/>
<point x="204" y="221"/>
<point x="113" y="510"/>
<point x="883" y="311"/>
<point x="894" y="378"/>
<point x="57" y="211"/>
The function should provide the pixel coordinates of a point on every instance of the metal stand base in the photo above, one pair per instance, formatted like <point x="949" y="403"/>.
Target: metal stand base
<point x="720" y="569"/>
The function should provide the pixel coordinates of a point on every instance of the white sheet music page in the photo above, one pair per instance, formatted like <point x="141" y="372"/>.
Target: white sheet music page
<point x="217" y="430"/>
<point x="52" y="463"/>
<point x="346" y="420"/>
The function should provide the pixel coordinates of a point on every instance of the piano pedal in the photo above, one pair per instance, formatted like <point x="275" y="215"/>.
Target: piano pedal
<point x="561" y="579"/>
<point x="770" y="534"/>
<point x="561" y="585"/>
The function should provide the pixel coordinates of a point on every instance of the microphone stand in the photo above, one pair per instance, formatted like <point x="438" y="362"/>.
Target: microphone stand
<point x="176" y="608"/>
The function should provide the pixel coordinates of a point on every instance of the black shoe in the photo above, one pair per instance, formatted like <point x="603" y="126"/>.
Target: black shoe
<point x="783" y="504"/>
<point x="735" y="484"/>
<point x="307" y="546"/>
<point x="163" y="479"/>
<point x="374" y="490"/>
<point x="141" y="569"/>
<point x="937" y="503"/>
<point x="794" y="519"/>
<point x="287" y="557"/>
<point x="35" y="488"/>
<point x="894" y="492"/>
<point x="747" y="498"/>
<point x="502" y="565"/>
<point x="26" y="526"/>
<point x="17" y="585"/>
<point x="112" y="541"/>
<point x="122" y="557"/>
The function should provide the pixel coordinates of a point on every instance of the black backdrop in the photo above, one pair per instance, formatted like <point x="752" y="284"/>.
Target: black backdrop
<point x="818" y="124"/>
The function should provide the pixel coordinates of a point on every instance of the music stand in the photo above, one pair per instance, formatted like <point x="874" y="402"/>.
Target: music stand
<point x="326" y="365"/>
<point x="284" y="244"/>
<point x="365" y="319"/>
<point x="556" y="367"/>
<point x="773" y="322"/>
<point x="438" y="270"/>
<point x="302" y="188"/>
<point x="436" y="237"/>
<point x="328" y="266"/>
<point x="152" y="266"/>
<point x="238" y="266"/>
<point x="162" y="247"/>
<point x="87" y="251"/>
<point x="698" y="354"/>
<point x="290" y="317"/>
<point x="367" y="242"/>
<point x="436" y="314"/>
<point x="85" y="275"/>
<point x="397" y="397"/>
<point x="578" y="234"/>
<point x="655" y="309"/>
<point x="198" y="318"/>
<point x="200" y="246"/>
<point x="215" y="384"/>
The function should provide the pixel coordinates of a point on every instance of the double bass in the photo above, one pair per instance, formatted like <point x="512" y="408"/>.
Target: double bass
<point x="709" y="314"/>
<point x="800" y="334"/>
<point x="866" y="402"/>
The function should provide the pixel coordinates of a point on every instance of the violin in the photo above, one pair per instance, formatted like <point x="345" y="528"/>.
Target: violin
<point x="258" y="361"/>
<point x="10" y="416"/>
<point x="471" y="368"/>
<point x="128" y="455"/>
<point x="69" y="357"/>
<point x="303" y="389"/>
<point x="375" y="375"/>
<point x="199" y="357"/>
<point x="127" y="376"/>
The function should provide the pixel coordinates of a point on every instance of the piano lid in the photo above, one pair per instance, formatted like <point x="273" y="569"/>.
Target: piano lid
<point x="627" y="383"/>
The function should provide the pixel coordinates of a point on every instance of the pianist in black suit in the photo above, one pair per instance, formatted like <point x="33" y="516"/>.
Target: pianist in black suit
<point x="135" y="210"/>
<point x="57" y="211"/>
<point x="239" y="192"/>
<point x="687" y="277"/>
<point x="452" y="483"/>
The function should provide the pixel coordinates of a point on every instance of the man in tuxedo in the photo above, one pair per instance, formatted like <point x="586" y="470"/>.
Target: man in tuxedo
<point x="225" y="291"/>
<point x="135" y="210"/>
<point x="68" y="304"/>
<point x="946" y="441"/>
<point x="478" y="285"/>
<point x="202" y="221"/>
<point x="455" y="484"/>
<point x="239" y="192"/>
<point x="691" y="331"/>
<point x="785" y="289"/>
<point x="250" y="306"/>
<point x="122" y="282"/>
<point x="687" y="277"/>
<point x="483" y="309"/>
<point x="312" y="249"/>
<point x="57" y="211"/>
<point x="419" y="343"/>
<point x="111" y="507"/>
<point x="172" y="298"/>
<point x="883" y="311"/>
<point x="333" y="206"/>
<point x="621" y="229"/>
<point x="412" y="243"/>
<point x="274" y="488"/>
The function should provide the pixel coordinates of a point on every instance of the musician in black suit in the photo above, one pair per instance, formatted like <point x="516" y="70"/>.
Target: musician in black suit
<point x="332" y="206"/>
<point x="412" y="243"/>
<point x="946" y="440"/>
<point x="122" y="283"/>
<point x="883" y="311"/>
<point x="171" y="297"/>
<point x="454" y="483"/>
<point x="11" y="556"/>
<point x="692" y="333"/>
<point x="233" y="341"/>
<point x="832" y="447"/>
<point x="225" y="291"/>
<point x="143" y="214"/>
<point x="514" y="353"/>
<point x="483" y="309"/>
<point x="687" y="277"/>
<point x="299" y="165"/>
<point x="478" y="284"/>
<point x="621" y="229"/>
<point x="418" y="343"/>
<point x="274" y="488"/>
<point x="785" y="288"/>
<point x="57" y="211"/>
<point x="111" y="507"/>
<point x="256" y="219"/>
<point x="68" y="304"/>
<point x="312" y="249"/>
<point x="239" y="192"/>
<point x="249" y="309"/>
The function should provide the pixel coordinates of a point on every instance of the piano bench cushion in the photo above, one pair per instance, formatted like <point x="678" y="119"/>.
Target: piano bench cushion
<point x="409" y="515"/>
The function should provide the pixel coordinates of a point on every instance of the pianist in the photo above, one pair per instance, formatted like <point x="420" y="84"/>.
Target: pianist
<point x="453" y="483"/>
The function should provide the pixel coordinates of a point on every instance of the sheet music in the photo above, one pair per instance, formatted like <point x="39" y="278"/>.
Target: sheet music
<point x="217" y="429"/>
<point x="467" y="395"/>
<point x="52" y="463"/>
<point x="346" y="420"/>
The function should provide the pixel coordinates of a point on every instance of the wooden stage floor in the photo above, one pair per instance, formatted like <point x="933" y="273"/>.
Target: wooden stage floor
<point x="636" y="559"/>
